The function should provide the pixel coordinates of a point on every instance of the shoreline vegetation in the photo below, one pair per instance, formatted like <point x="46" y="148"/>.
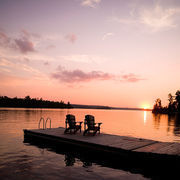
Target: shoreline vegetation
<point x="172" y="108"/>
<point x="29" y="102"/>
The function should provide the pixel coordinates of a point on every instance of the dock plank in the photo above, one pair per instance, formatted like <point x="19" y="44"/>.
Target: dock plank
<point x="153" y="147"/>
<point x="172" y="149"/>
<point x="131" y="145"/>
<point x="162" y="148"/>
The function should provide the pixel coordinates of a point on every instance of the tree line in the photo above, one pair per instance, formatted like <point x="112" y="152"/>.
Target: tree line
<point x="173" y="106"/>
<point x="29" y="102"/>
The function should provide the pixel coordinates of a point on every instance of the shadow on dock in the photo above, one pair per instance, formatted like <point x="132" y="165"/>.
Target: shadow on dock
<point x="148" y="166"/>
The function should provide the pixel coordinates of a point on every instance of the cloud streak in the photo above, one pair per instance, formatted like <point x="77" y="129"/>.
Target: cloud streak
<point x="159" y="18"/>
<point x="14" y="65"/>
<point x="156" y="18"/>
<point x="85" y="58"/>
<point x="130" y="78"/>
<point x="79" y="76"/>
<point x="90" y="3"/>
<point x="107" y="35"/>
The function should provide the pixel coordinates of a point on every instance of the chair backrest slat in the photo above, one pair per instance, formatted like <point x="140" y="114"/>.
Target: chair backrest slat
<point x="71" y="120"/>
<point x="89" y="120"/>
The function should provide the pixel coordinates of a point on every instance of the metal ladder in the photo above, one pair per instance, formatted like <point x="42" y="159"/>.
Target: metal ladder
<point x="44" y="123"/>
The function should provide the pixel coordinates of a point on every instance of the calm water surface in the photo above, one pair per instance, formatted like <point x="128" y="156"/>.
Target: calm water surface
<point x="19" y="160"/>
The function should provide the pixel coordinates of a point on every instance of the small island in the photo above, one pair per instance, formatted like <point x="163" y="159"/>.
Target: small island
<point x="172" y="108"/>
<point x="29" y="102"/>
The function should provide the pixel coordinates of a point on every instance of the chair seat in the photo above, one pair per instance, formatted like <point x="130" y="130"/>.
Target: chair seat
<point x="94" y="128"/>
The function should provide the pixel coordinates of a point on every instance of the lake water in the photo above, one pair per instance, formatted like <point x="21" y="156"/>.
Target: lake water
<point x="19" y="160"/>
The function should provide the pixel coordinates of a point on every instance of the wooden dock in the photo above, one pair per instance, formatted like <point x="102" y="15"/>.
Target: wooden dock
<point x="153" y="159"/>
<point x="108" y="143"/>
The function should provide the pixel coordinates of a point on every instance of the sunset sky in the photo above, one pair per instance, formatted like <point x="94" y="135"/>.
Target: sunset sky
<point x="123" y="53"/>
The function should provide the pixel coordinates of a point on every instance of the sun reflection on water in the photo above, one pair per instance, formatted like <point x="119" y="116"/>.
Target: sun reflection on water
<point x="145" y="116"/>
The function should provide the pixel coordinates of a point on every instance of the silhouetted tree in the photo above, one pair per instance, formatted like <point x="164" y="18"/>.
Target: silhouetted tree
<point x="178" y="100"/>
<point x="27" y="98"/>
<point x="157" y="104"/>
<point x="170" y="98"/>
<point x="68" y="104"/>
<point x="172" y="104"/>
<point x="173" y="107"/>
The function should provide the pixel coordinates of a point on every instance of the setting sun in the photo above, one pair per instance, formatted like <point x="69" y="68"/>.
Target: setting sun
<point x="146" y="106"/>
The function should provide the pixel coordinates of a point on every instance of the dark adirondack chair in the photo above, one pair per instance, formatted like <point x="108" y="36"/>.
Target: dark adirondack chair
<point x="90" y="125"/>
<point x="71" y="124"/>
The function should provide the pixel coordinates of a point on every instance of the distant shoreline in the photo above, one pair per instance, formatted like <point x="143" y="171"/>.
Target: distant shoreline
<point x="36" y="103"/>
<point x="98" y="108"/>
<point x="79" y="106"/>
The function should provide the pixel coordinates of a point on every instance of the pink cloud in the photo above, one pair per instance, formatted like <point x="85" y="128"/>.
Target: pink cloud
<point x="46" y="63"/>
<point x="4" y="40"/>
<point x="50" y="47"/>
<point x="28" y="34"/>
<point x="77" y="76"/>
<point x="131" y="78"/>
<point x="71" y="38"/>
<point x="24" y="45"/>
<point x="80" y="76"/>
<point x="3" y="36"/>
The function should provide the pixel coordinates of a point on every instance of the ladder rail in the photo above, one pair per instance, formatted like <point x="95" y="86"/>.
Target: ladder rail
<point x="39" y="125"/>
<point x="49" y="123"/>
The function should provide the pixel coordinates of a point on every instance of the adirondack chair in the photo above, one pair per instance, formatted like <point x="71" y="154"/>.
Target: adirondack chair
<point x="71" y="124"/>
<point x="91" y="125"/>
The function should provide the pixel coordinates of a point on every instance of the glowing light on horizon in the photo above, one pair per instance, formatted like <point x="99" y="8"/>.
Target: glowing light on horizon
<point x="145" y="106"/>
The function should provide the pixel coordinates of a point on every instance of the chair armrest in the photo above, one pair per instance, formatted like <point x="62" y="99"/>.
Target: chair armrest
<point x="98" y="124"/>
<point x="80" y="122"/>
